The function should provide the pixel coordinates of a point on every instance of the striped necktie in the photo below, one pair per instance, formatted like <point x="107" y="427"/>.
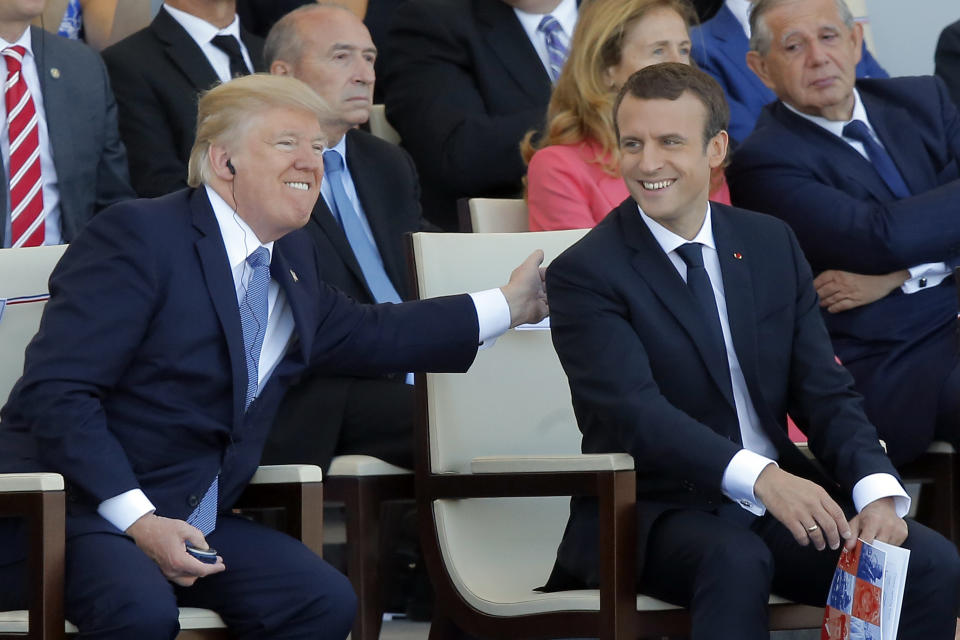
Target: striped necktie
<point x="558" y="45"/>
<point x="26" y="183"/>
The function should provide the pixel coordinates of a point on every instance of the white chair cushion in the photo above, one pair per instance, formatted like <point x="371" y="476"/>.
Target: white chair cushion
<point x="358" y="465"/>
<point x="190" y="618"/>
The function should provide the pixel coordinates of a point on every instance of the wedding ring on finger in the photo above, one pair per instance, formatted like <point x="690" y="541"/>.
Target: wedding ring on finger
<point x="812" y="528"/>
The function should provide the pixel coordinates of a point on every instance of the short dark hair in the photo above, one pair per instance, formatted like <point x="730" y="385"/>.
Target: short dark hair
<point x="669" y="81"/>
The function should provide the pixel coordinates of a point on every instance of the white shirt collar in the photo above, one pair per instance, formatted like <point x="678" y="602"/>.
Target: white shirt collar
<point x="565" y="13"/>
<point x="836" y="126"/>
<point x="25" y="40"/>
<point x="238" y="238"/>
<point x="669" y="241"/>
<point x="341" y="148"/>
<point x="741" y="11"/>
<point x="200" y="30"/>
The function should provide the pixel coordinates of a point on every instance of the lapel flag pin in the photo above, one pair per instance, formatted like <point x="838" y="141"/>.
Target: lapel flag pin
<point x="738" y="255"/>
<point x="54" y="73"/>
<point x="293" y="274"/>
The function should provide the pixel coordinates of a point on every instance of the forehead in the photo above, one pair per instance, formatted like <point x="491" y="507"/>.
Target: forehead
<point x="656" y="117"/>
<point x="803" y="16"/>
<point x="280" y="120"/>
<point x="655" y="25"/>
<point x="328" y="26"/>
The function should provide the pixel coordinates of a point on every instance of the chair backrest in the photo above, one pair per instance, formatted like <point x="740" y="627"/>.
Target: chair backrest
<point x="495" y="215"/>
<point x="514" y="400"/>
<point x="380" y="127"/>
<point x="23" y="295"/>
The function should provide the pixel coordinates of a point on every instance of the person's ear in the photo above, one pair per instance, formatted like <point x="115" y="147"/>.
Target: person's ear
<point x="281" y="68"/>
<point x="758" y="64"/>
<point x="857" y="35"/>
<point x="221" y="162"/>
<point x="717" y="149"/>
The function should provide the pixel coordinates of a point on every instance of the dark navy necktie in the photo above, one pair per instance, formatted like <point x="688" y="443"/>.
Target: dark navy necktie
<point x="231" y="46"/>
<point x="698" y="281"/>
<point x="881" y="160"/>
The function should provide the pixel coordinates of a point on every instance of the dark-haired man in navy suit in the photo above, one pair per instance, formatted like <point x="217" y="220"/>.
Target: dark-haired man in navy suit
<point x="173" y="328"/>
<point x="867" y="173"/>
<point x="688" y="330"/>
<point x="157" y="74"/>
<point x="464" y="81"/>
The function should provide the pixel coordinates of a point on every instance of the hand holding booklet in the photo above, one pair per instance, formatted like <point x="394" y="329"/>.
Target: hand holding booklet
<point x="866" y="593"/>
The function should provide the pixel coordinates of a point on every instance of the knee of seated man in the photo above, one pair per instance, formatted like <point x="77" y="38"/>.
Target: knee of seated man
<point x="739" y="558"/>
<point x="329" y="602"/>
<point x="933" y="556"/>
<point x="133" y="616"/>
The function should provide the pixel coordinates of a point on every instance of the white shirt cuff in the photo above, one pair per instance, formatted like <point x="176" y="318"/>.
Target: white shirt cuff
<point x="925" y="276"/>
<point x="741" y="475"/>
<point x="493" y="315"/>
<point x="880" y="485"/>
<point x="123" y="510"/>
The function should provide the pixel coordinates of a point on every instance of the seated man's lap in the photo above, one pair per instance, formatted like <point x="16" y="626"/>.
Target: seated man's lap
<point x="271" y="582"/>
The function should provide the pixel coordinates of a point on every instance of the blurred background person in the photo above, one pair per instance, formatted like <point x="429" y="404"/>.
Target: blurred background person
<point x="99" y="23"/>
<point x="573" y="179"/>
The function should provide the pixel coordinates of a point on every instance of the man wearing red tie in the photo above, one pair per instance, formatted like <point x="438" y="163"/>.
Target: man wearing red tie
<point x="62" y="157"/>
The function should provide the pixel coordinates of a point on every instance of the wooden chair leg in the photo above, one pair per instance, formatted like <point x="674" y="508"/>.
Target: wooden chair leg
<point x="363" y="566"/>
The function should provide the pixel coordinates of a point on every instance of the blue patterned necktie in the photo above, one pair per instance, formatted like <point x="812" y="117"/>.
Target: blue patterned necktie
<point x="698" y="281"/>
<point x="363" y="247"/>
<point x="253" y="321"/>
<point x="558" y="45"/>
<point x="879" y="158"/>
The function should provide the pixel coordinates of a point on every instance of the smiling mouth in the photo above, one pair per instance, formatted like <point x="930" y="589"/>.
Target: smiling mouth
<point x="299" y="186"/>
<point x="657" y="186"/>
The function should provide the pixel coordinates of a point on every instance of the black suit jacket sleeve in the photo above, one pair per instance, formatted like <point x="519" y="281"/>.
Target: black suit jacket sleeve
<point x="442" y="83"/>
<point x="834" y="200"/>
<point x="947" y="58"/>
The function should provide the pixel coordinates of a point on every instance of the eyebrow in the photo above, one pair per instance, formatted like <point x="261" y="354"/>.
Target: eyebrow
<point x="342" y="46"/>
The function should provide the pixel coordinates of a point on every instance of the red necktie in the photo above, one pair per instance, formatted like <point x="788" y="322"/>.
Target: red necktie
<point x="26" y="194"/>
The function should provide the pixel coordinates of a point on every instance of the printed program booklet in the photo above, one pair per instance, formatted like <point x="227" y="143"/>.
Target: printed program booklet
<point x="866" y="593"/>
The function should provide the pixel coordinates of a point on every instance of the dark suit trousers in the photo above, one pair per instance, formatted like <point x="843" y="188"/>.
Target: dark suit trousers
<point x="323" y="417"/>
<point x="273" y="587"/>
<point x="724" y="571"/>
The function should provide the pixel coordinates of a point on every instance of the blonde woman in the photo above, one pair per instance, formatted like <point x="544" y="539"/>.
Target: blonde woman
<point x="573" y="179"/>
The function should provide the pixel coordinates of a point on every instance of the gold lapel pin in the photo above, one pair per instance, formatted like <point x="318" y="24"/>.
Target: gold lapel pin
<point x="54" y="73"/>
<point x="293" y="274"/>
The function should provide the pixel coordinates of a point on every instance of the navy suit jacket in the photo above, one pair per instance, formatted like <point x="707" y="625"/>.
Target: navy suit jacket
<point x="157" y="74"/>
<point x="463" y="84"/>
<point x="947" y="59"/>
<point x="81" y="118"/>
<point x="634" y="345"/>
<point x="137" y="376"/>
<point x="720" y="48"/>
<point x="845" y="217"/>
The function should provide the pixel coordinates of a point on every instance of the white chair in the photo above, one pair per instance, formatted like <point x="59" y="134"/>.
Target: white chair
<point x="492" y="215"/>
<point x="380" y="127"/>
<point x="498" y="456"/>
<point x="39" y="497"/>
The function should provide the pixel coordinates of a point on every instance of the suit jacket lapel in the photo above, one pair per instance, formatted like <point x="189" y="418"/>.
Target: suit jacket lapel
<point x="836" y="152"/>
<point x="655" y="268"/>
<point x="183" y="51"/>
<point x="324" y="217"/>
<point x="254" y="47"/>
<point x="501" y="30"/>
<point x="283" y="271"/>
<point x="219" y="280"/>
<point x="897" y="132"/>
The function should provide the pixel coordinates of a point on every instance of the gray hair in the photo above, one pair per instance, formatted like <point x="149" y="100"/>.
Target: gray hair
<point x="760" y="33"/>
<point x="284" y="41"/>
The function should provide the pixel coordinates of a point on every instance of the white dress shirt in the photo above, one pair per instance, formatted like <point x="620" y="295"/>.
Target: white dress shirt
<point x="51" y="188"/>
<point x="493" y="316"/>
<point x="203" y="32"/>
<point x="922" y="276"/>
<point x="758" y="451"/>
<point x="565" y="13"/>
<point x="741" y="11"/>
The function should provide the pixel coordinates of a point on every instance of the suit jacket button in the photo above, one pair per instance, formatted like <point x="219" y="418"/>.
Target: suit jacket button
<point x="193" y="501"/>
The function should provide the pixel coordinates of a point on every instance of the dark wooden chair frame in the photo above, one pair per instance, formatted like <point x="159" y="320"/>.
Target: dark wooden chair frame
<point x="45" y="515"/>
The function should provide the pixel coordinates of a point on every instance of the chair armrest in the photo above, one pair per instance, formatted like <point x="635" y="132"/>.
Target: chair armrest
<point x="297" y="490"/>
<point x="10" y="482"/>
<point x="552" y="463"/>
<point x="287" y="473"/>
<point x="359" y="465"/>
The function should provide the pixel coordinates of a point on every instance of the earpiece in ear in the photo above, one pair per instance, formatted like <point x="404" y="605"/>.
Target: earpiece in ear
<point x="230" y="168"/>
